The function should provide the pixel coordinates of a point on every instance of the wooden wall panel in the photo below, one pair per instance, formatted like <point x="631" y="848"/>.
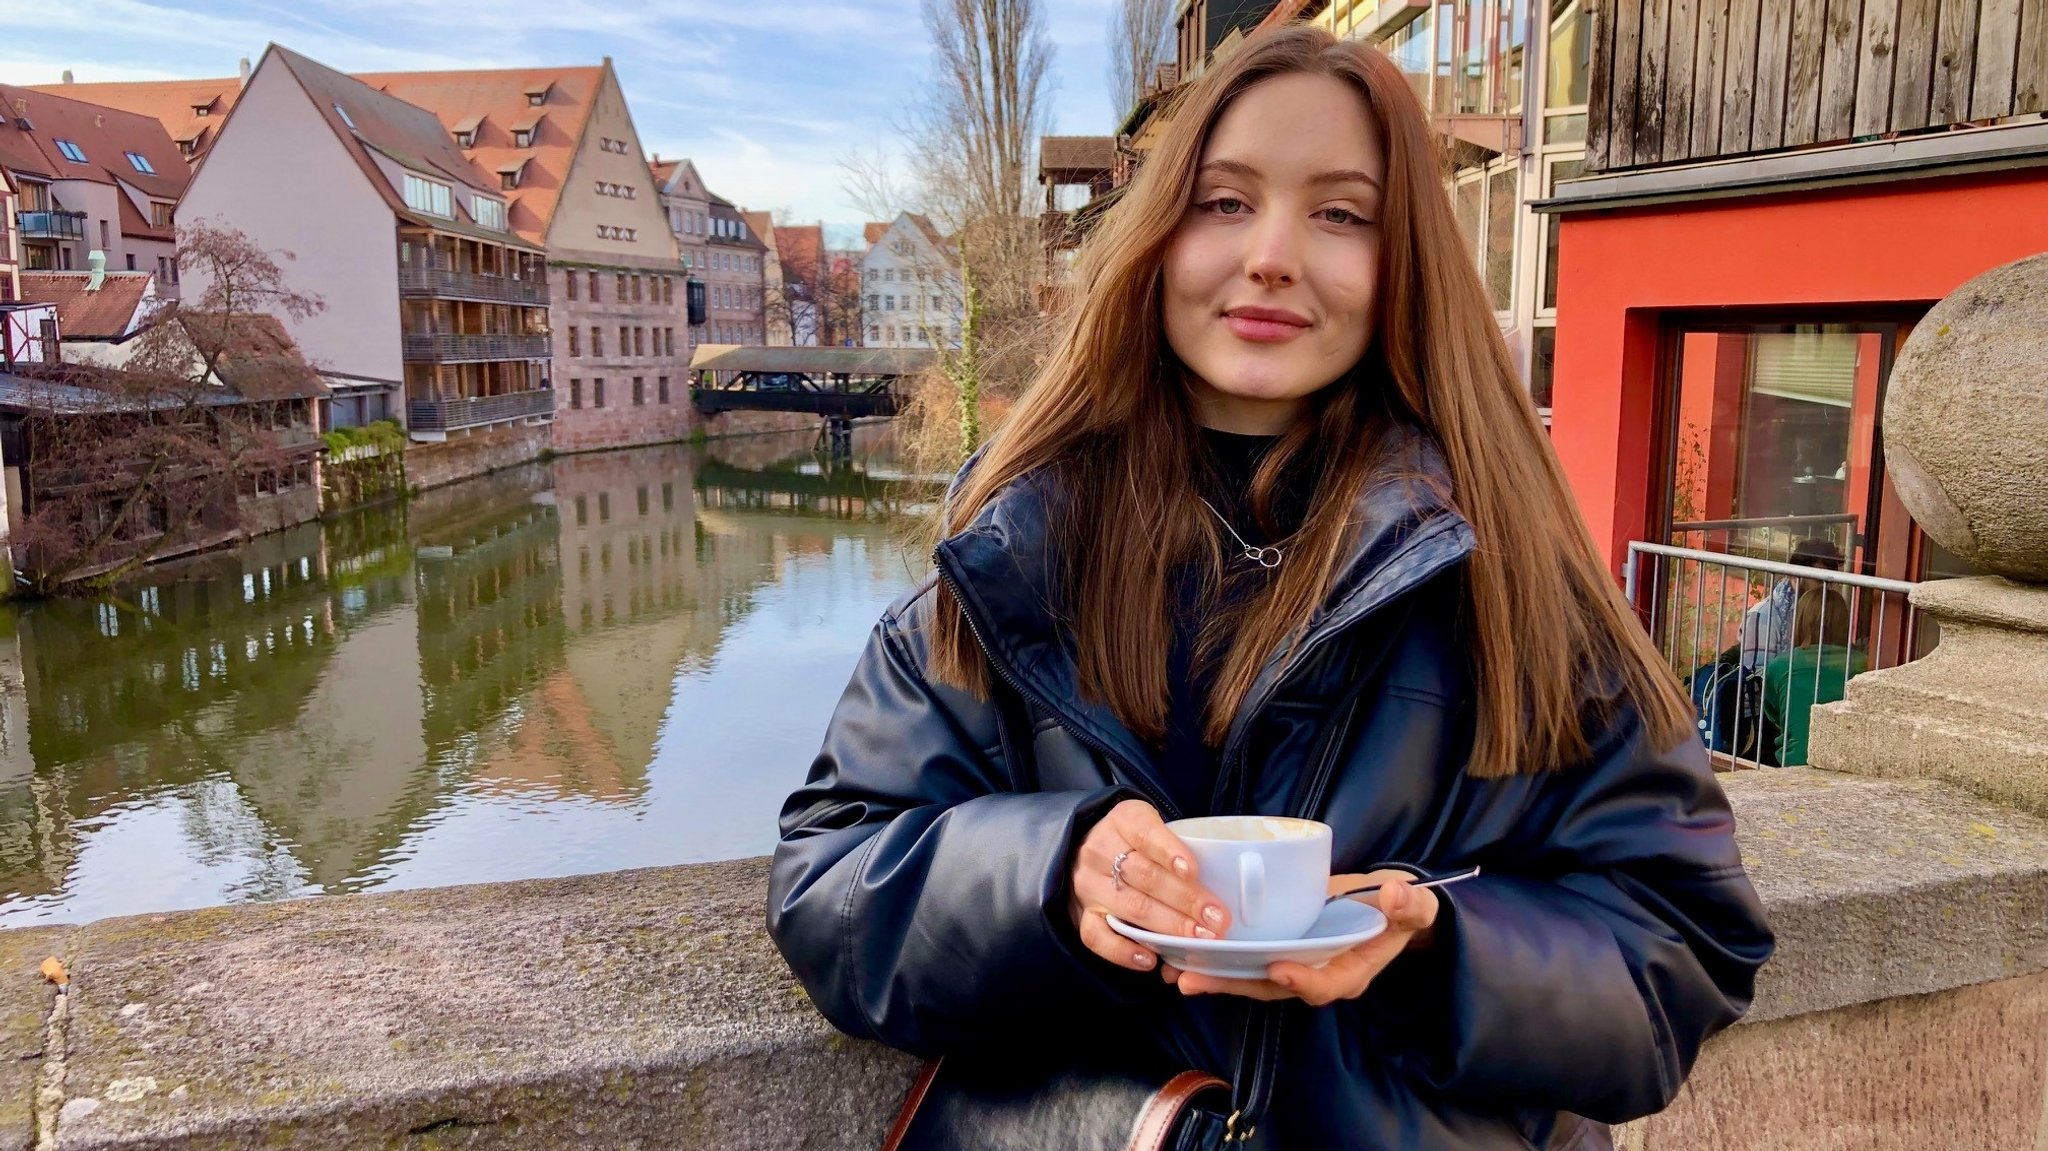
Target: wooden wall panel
<point x="1998" y="45"/>
<point x="1682" y="38"/>
<point x="2030" y="70"/>
<point x="1955" y="50"/>
<point x="1648" y="146"/>
<point x="1739" y="77"/>
<point x="1913" y="64"/>
<point x="1708" y="61"/>
<point x="1842" y="34"/>
<point x="1876" y="52"/>
<point x="1773" y="71"/>
<point x="1803" y="76"/>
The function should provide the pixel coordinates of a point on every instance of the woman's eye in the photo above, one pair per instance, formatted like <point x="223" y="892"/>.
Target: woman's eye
<point x="1341" y="216"/>
<point x="1225" y="206"/>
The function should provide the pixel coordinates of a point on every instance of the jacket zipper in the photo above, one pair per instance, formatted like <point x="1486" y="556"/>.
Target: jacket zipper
<point x="1131" y="776"/>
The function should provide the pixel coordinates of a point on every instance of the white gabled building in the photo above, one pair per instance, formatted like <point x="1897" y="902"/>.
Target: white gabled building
<point x="911" y="293"/>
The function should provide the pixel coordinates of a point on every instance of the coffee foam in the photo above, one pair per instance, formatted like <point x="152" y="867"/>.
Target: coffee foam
<point x="1249" y="828"/>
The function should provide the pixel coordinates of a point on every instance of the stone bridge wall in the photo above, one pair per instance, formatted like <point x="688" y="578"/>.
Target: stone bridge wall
<point x="1907" y="1008"/>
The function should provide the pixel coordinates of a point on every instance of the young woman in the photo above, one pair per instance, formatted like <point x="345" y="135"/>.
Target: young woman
<point x="1278" y="531"/>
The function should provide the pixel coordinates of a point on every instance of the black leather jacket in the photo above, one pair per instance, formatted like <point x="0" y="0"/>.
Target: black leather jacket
<point x="919" y="891"/>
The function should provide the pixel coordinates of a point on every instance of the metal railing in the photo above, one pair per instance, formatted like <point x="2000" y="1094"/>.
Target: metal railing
<point x="50" y="224"/>
<point x="1763" y="536"/>
<point x="442" y="282"/>
<point x="1758" y="643"/>
<point x="453" y="347"/>
<point x="476" y="411"/>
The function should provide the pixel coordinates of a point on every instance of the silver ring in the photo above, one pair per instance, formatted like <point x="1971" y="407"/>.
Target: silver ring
<point x="1116" y="870"/>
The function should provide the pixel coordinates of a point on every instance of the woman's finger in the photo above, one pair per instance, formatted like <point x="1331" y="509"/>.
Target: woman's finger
<point x="1100" y="938"/>
<point x="1204" y="913"/>
<point x="1142" y="828"/>
<point x="1408" y="908"/>
<point x="1192" y="984"/>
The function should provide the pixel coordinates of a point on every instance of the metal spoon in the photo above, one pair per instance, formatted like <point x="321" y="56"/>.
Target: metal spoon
<point x="1439" y="881"/>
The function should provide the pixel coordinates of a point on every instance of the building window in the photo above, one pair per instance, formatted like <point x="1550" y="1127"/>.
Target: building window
<point x="593" y="287"/>
<point x="106" y="236"/>
<point x="669" y="338"/>
<point x="522" y="137"/>
<point x="72" y="152"/>
<point x="575" y="343"/>
<point x="636" y="289"/>
<point x="639" y="341"/>
<point x="625" y="340"/>
<point x="621" y="288"/>
<point x="575" y="387"/>
<point x="489" y="213"/>
<point x="161" y="215"/>
<point x="596" y="341"/>
<point x="888" y="303"/>
<point x="429" y="196"/>
<point x="131" y="264"/>
<point x="668" y="291"/>
<point x="889" y="275"/>
<point x="508" y="179"/>
<point x="140" y="163"/>
<point x="597" y="397"/>
<point x="639" y="391"/>
<point x="570" y="281"/>
<point x="661" y="389"/>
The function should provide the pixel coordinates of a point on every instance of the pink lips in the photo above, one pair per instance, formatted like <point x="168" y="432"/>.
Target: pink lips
<point x="1265" y="325"/>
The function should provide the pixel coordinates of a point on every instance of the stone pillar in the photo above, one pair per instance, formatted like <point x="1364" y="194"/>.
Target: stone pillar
<point x="1966" y="445"/>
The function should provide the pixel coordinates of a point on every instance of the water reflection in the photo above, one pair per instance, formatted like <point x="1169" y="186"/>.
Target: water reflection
<point x="601" y="661"/>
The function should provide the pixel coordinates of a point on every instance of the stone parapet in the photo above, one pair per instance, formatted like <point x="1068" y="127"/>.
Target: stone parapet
<point x="647" y="1009"/>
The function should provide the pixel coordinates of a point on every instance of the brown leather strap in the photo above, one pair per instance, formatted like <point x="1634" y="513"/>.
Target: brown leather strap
<point x="1155" y="1123"/>
<point x="911" y="1102"/>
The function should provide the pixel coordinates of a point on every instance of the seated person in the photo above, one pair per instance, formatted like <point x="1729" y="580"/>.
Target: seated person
<point x="1815" y="670"/>
<point x="1767" y="625"/>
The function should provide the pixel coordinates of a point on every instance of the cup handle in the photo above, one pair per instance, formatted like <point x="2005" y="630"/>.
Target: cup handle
<point x="1251" y="887"/>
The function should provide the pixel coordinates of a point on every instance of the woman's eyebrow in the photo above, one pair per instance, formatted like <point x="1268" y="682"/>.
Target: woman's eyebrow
<point x="1334" y="176"/>
<point x="1344" y="176"/>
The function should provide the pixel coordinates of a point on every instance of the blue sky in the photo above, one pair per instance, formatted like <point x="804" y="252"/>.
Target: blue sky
<point x="764" y="95"/>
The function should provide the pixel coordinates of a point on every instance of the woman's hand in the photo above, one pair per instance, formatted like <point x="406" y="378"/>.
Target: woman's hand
<point x="1411" y="917"/>
<point x="1160" y="890"/>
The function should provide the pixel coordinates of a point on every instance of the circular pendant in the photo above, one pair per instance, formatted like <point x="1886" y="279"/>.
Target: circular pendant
<point x="1268" y="558"/>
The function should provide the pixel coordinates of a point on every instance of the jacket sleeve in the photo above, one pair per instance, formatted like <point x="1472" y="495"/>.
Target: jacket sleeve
<point x="918" y="899"/>
<point x="1614" y="933"/>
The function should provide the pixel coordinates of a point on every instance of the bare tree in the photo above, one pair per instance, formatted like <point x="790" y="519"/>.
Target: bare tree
<point x="973" y="143"/>
<point x="1137" y="40"/>
<point x="151" y="450"/>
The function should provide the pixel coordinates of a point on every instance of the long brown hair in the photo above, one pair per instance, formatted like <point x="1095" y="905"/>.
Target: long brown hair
<point x="1550" y="632"/>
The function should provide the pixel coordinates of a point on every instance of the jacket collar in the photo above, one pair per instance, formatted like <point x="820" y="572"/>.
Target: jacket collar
<point x="1004" y="574"/>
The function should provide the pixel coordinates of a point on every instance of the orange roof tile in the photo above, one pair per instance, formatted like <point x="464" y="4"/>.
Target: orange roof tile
<point x="874" y="231"/>
<point x="761" y="224"/>
<point x="173" y="103"/>
<point x="116" y="310"/>
<point x="802" y="248"/>
<point x="498" y="101"/>
<point x="103" y="135"/>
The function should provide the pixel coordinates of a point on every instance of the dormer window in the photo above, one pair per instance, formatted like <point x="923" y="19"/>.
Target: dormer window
<point x="429" y="196"/>
<point x="202" y="107"/>
<point x="187" y="147"/>
<point x="522" y="137"/>
<point x="140" y="163"/>
<point x="508" y="174"/>
<point x="537" y="94"/>
<point x="489" y="213"/>
<point x="465" y="132"/>
<point x="72" y="152"/>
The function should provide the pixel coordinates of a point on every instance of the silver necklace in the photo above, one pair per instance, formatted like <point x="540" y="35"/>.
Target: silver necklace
<point x="1266" y="557"/>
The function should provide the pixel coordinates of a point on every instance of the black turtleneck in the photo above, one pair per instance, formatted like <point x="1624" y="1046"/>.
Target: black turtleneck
<point x="1186" y="763"/>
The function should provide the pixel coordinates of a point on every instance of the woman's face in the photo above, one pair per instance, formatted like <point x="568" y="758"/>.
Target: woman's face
<point x="1270" y="278"/>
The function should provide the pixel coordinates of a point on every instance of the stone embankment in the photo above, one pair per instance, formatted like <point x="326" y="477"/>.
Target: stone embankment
<point x="1907" y="1007"/>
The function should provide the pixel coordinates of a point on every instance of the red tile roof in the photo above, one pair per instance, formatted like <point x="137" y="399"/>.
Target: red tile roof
<point x="104" y="135"/>
<point x="762" y="224"/>
<point x="874" y="231"/>
<point x="366" y="119"/>
<point x="498" y="101"/>
<point x="802" y="249"/>
<point x="116" y="310"/>
<point x="173" y="103"/>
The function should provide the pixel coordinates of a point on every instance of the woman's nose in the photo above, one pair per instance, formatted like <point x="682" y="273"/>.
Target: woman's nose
<point x="1274" y="258"/>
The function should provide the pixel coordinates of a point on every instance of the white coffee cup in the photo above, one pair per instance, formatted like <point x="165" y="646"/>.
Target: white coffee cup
<point x="1272" y="872"/>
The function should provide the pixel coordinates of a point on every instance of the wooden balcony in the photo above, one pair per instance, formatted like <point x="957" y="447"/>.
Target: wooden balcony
<point x="1680" y="81"/>
<point x="440" y="283"/>
<point x="456" y="348"/>
<point x="477" y="411"/>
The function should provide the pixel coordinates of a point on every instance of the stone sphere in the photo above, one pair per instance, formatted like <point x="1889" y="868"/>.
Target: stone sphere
<point x="1966" y="421"/>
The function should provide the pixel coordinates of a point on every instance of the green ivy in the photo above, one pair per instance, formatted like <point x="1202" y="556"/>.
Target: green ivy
<point x="385" y="434"/>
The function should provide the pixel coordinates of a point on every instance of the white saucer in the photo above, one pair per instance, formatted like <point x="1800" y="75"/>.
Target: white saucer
<point x="1342" y="926"/>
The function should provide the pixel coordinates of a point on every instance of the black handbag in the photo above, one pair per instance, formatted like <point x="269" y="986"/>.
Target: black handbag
<point x="984" y="1104"/>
